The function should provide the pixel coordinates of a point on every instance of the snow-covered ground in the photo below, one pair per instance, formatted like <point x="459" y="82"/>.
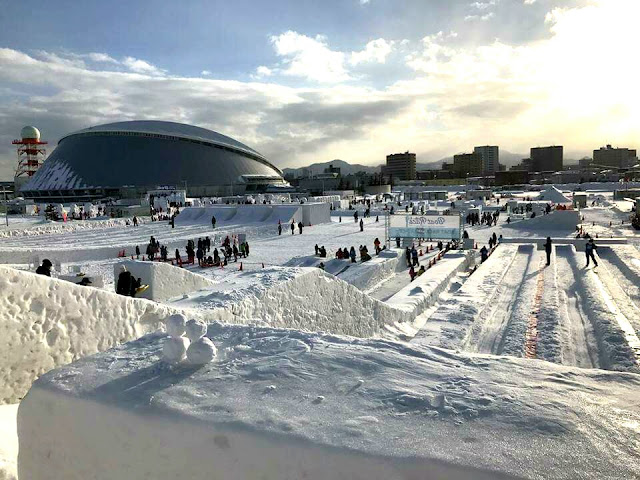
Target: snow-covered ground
<point x="540" y="338"/>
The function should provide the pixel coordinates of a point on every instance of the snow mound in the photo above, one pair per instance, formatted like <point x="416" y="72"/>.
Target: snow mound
<point x="285" y="404"/>
<point x="46" y="322"/>
<point x="553" y="195"/>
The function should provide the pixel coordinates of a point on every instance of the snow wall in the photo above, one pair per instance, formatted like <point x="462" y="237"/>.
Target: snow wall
<point x="46" y="322"/>
<point x="315" y="213"/>
<point x="165" y="281"/>
<point x="565" y="220"/>
<point x="241" y="214"/>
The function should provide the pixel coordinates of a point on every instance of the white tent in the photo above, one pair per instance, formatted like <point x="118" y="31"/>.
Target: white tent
<point x="553" y="195"/>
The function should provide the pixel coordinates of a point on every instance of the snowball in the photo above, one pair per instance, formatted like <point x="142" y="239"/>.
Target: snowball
<point x="175" y="325"/>
<point x="201" y="351"/>
<point x="196" y="329"/>
<point x="175" y="349"/>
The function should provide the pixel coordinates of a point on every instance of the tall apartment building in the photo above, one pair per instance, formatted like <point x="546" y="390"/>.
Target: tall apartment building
<point x="614" y="157"/>
<point x="546" y="159"/>
<point x="467" y="165"/>
<point x="490" y="158"/>
<point x="401" y="166"/>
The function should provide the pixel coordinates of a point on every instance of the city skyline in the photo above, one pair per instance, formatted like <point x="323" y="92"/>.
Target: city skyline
<point x="305" y="83"/>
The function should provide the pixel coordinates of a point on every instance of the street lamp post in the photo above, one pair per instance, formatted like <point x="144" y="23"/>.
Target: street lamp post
<point x="6" y="208"/>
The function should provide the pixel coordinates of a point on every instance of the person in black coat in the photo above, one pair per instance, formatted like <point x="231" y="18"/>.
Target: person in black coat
<point x="547" y="249"/>
<point x="45" y="268"/>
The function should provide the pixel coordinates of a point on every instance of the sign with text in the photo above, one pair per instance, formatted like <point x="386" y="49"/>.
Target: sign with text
<point x="435" y="227"/>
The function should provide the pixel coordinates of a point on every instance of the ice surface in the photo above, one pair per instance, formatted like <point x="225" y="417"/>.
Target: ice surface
<point x="284" y="404"/>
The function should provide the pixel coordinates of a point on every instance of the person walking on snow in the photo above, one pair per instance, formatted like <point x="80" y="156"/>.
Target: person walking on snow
<point x="361" y="225"/>
<point x="590" y="249"/>
<point x="293" y="228"/>
<point x="300" y="227"/>
<point x="279" y="228"/>
<point x="213" y="221"/>
<point x="414" y="256"/>
<point x="547" y="249"/>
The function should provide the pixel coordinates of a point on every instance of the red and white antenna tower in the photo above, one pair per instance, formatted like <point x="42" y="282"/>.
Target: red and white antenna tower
<point x="31" y="152"/>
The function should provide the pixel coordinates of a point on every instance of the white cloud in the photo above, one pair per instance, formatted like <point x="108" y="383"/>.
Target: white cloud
<point x="364" y="2"/>
<point x="310" y="58"/>
<point x="374" y="51"/>
<point x="483" y="5"/>
<point x="263" y="71"/>
<point x="140" y="66"/>
<point x="102" y="58"/>
<point x="483" y="18"/>
<point x="205" y="73"/>
<point x="529" y="2"/>
<point x="564" y="89"/>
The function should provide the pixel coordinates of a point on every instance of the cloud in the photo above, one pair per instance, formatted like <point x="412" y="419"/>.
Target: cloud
<point x="263" y="71"/>
<point x="140" y="66"/>
<point x="374" y="51"/>
<point x="309" y="58"/>
<point x="101" y="58"/>
<point x="483" y="18"/>
<point x="483" y="5"/>
<point x="529" y="2"/>
<point x="364" y="2"/>
<point x="205" y="73"/>
<point x="564" y="88"/>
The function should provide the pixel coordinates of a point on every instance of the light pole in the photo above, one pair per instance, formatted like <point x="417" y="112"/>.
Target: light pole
<point x="6" y="208"/>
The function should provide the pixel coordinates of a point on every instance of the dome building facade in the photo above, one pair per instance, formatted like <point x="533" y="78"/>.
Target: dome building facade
<point x="126" y="159"/>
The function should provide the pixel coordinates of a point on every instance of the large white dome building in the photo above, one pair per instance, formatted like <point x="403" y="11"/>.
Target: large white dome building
<point x="126" y="159"/>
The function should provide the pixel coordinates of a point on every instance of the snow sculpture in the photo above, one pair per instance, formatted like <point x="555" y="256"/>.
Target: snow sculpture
<point x="201" y="351"/>
<point x="176" y="325"/>
<point x="174" y="349"/>
<point x="196" y="329"/>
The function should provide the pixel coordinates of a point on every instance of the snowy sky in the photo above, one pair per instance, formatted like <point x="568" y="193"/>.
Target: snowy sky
<point x="304" y="81"/>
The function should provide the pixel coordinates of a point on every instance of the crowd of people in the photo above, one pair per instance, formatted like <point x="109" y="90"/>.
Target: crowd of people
<point x="487" y="218"/>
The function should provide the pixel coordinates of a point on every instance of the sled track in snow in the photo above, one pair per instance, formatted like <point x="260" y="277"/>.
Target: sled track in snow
<point x="579" y="345"/>
<point x="624" y="280"/>
<point x="501" y="327"/>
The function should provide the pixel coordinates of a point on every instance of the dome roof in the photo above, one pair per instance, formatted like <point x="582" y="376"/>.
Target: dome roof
<point x="159" y="127"/>
<point x="147" y="154"/>
<point x="30" y="133"/>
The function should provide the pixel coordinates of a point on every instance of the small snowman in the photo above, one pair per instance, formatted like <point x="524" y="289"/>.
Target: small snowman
<point x="202" y="350"/>
<point x="174" y="349"/>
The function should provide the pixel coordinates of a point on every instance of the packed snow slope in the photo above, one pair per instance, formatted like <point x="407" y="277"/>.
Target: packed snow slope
<point x="282" y="404"/>
<point x="45" y="323"/>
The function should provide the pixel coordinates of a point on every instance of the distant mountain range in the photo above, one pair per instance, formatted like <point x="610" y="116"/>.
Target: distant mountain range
<point x="506" y="158"/>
